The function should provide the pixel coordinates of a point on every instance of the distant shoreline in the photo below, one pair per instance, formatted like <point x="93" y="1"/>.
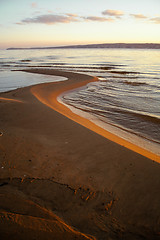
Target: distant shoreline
<point x="104" y="45"/>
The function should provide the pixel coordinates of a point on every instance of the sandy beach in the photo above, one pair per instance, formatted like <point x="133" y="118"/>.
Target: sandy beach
<point x="63" y="178"/>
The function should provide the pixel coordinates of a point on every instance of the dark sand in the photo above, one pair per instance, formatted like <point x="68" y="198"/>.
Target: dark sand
<point x="60" y="180"/>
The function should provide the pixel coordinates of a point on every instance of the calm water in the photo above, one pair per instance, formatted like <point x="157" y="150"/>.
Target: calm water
<point x="125" y="100"/>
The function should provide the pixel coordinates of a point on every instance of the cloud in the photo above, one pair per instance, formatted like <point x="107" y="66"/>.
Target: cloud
<point x="34" y="5"/>
<point x="98" y="19"/>
<point x="50" y="19"/>
<point x="72" y="15"/>
<point x="155" y="20"/>
<point x="113" y="13"/>
<point x="138" y="16"/>
<point x="19" y="23"/>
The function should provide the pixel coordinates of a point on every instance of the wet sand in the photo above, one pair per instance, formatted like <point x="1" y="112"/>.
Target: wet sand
<point x="62" y="180"/>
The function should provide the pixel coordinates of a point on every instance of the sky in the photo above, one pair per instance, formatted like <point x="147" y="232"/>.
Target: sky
<point x="30" y="23"/>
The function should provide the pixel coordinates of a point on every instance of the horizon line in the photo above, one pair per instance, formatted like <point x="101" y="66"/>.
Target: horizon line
<point x="94" y="45"/>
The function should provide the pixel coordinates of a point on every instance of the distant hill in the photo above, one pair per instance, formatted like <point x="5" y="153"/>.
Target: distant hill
<point x="104" y="45"/>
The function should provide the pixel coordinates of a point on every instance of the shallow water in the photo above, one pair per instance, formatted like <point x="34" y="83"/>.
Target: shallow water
<point x="15" y="79"/>
<point x="125" y="100"/>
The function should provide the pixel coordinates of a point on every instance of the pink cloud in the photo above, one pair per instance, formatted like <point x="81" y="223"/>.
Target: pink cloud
<point x="98" y="19"/>
<point x="72" y="15"/>
<point x="155" y="20"/>
<point x="34" y="5"/>
<point x="50" y="19"/>
<point x="113" y="13"/>
<point x="138" y="16"/>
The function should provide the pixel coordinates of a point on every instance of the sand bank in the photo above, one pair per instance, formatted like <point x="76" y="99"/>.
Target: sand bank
<point x="51" y="101"/>
<point x="75" y="179"/>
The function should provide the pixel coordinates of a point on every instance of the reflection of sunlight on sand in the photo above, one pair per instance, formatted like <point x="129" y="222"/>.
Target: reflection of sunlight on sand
<point x="10" y="100"/>
<point x="40" y="92"/>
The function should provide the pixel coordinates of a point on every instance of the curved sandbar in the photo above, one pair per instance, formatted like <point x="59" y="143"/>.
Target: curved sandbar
<point x="48" y="95"/>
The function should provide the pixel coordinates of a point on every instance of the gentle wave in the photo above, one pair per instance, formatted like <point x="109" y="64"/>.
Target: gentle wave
<point x="115" y="113"/>
<point x="26" y="60"/>
<point x="98" y="117"/>
<point x="145" y="116"/>
<point x="125" y="80"/>
<point x="124" y="72"/>
<point x="135" y="83"/>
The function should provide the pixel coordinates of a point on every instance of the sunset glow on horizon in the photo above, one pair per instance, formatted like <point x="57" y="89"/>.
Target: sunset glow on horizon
<point x="30" y="23"/>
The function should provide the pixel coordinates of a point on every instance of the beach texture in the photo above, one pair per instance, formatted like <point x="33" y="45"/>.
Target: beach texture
<point x="60" y="179"/>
